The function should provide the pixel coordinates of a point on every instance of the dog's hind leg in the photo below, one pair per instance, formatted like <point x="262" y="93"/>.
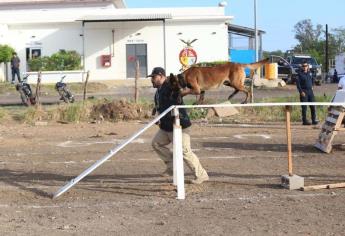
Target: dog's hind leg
<point x="233" y="94"/>
<point x="247" y="95"/>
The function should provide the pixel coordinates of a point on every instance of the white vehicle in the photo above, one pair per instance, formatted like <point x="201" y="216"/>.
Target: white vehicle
<point x="340" y="63"/>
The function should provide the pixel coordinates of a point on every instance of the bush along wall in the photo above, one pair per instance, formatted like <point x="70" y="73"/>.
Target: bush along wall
<point x="62" y="60"/>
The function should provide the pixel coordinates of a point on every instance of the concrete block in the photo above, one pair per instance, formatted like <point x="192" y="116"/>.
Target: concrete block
<point x="292" y="182"/>
<point x="41" y="123"/>
<point x="273" y="83"/>
<point x="281" y="83"/>
<point x="222" y="111"/>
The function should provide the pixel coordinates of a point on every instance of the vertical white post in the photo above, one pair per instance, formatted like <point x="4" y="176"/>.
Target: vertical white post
<point x="178" y="156"/>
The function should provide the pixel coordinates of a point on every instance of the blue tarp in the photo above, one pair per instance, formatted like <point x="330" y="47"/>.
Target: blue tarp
<point x="242" y="56"/>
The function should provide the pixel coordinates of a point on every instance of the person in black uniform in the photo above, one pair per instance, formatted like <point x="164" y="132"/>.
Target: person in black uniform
<point x="165" y="97"/>
<point x="15" y="63"/>
<point x="304" y="84"/>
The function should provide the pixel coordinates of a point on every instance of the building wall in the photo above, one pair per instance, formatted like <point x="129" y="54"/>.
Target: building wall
<point x="55" y="30"/>
<point x="99" y="41"/>
<point x="49" y="37"/>
<point x="212" y="44"/>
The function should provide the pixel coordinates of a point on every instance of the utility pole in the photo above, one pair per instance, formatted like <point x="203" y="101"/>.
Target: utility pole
<point x="326" y="53"/>
<point x="256" y="52"/>
<point x="256" y="32"/>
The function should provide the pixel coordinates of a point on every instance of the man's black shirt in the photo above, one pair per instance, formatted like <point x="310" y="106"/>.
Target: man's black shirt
<point x="304" y="81"/>
<point x="164" y="98"/>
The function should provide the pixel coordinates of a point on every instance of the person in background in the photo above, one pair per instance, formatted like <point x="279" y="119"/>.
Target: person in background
<point x="15" y="63"/>
<point x="341" y="84"/>
<point x="165" y="97"/>
<point x="304" y="84"/>
<point x="335" y="76"/>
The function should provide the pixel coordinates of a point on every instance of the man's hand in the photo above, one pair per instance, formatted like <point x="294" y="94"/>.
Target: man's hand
<point x="303" y="94"/>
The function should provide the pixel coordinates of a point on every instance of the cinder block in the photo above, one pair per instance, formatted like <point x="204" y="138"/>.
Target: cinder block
<point x="292" y="182"/>
<point x="224" y="111"/>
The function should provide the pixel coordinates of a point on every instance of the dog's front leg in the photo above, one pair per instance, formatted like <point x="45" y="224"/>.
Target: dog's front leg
<point x="185" y="92"/>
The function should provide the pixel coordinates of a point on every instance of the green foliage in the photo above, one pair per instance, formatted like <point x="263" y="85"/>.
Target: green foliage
<point x="197" y="113"/>
<point x="213" y="63"/>
<point x="312" y="40"/>
<point x="266" y="54"/>
<point x="40" y="64"/>
<point x="5" y="53"/>
<point x="3" y="114"/>
<point x="60" y="61"/>
<point x="73" y="112"/>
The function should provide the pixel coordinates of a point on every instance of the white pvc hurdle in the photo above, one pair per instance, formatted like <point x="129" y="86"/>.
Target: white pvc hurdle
<point x="112" y="152"/>
<point x="177" y="144"/>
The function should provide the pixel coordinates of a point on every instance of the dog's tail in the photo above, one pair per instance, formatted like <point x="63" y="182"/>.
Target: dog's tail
<point x="256" y="65"/>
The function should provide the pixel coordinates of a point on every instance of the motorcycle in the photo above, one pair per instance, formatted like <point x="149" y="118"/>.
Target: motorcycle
<point x="25" y="92"/>
<point x="63" y="91"/>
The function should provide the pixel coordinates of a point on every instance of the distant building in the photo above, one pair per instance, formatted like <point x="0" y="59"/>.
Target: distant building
<point x="110" y="37"/>
<point x="242" y="44"/>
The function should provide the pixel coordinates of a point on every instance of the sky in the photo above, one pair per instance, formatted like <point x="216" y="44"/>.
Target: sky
<point x="277" y="18"/>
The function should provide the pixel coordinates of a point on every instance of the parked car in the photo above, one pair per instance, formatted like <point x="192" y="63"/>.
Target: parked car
<point x="288" y="67"/>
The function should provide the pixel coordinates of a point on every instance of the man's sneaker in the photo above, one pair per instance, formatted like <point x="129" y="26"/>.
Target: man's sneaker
<point x="200" y="179"/>
<point x="315" y="122"/>
<point x="12" y="82"/>
<point x="168" y="172"/>
<point x="306" y="123"/>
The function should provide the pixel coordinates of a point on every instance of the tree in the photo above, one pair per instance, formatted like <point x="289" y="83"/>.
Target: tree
<point x="307" y="36"/>
<point x="339" y="38"/>
<point x="5" y="53"/>
<point x="5" y="56"/>
<point x="274" y="53"/>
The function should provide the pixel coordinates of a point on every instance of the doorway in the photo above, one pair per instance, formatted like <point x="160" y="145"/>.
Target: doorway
<point x="32" y="53"/>
<point x="136" y="52"/>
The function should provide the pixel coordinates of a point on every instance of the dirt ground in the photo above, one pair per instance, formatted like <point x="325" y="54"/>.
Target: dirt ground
<point x="128" y="196"/>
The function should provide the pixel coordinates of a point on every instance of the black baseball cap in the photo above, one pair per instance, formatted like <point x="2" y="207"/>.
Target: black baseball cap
<point x="157" y="71"/>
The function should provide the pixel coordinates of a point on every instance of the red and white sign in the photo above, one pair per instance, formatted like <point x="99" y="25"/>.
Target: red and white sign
<point x="188" y="57"/>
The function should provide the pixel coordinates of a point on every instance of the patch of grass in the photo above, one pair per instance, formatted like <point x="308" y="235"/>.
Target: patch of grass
<point x="108" y="109"/>
<point x="278" y="113"/>
<point x="34" y="114"/>
<point x="6" y="87"/>
<point x="3" y="114"/>
<point x="75" y="112"/>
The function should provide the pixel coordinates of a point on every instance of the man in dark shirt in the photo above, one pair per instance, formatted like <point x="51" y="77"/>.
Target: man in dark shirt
<point x="304" y="84"/>
<point x="15" y="62"/>
<point x="164" y="98"/>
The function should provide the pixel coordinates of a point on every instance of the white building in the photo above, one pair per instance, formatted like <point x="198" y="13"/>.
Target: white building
<point x="111" y="37"/>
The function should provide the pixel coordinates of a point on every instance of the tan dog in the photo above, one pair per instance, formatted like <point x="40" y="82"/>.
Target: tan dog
<point x="196" y="80"/>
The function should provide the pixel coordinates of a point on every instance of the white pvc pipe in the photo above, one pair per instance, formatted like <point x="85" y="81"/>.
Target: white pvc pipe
<point x="111" y="153"/>
<point x="178" y="157"/>
<point x="273" y="104"/>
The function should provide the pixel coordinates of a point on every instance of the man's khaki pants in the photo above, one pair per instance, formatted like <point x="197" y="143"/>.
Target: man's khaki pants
<point x="163" y="138"/>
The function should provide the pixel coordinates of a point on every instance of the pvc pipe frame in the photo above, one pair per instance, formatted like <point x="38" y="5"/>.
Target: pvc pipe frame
<point x="112" y="152"/>
<point x="178" y="157"/>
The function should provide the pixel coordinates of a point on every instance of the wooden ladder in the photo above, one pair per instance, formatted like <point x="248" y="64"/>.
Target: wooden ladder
<point x="330" y="128"/>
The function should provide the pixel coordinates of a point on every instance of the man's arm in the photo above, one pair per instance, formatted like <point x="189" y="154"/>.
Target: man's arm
<point x="298" y="84"/>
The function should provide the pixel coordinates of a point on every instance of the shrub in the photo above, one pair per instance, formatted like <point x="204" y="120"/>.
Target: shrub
<point x="213" y="63"/>
<point x="62" y="60"/>
<point x="6" y="53"/>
